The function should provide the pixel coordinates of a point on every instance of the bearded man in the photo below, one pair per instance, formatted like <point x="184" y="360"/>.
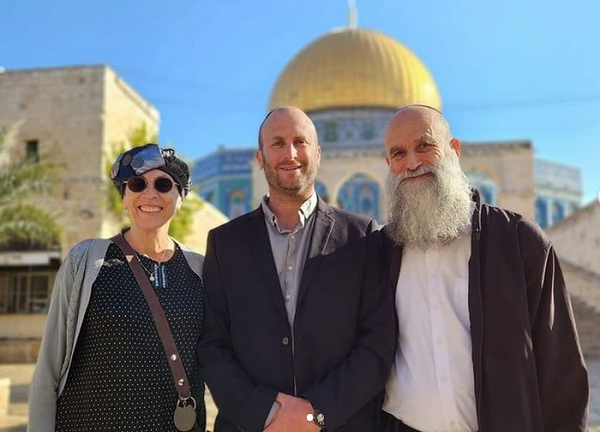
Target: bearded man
<point x="486" y="339"/>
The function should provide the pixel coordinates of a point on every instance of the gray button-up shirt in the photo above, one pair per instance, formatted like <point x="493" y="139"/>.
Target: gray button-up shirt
<point x="290" y="248"/>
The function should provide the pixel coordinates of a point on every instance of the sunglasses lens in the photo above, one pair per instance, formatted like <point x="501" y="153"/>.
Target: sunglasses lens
<point x="163" y="185"/>
<point x="136" y="184"/>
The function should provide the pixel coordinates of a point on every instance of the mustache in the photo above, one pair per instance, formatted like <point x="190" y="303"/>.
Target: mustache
<point x="288" y="164"/>
<point x="416" y="173"/>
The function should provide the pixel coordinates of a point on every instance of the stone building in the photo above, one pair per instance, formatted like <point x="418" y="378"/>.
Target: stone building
<point x="350" y="82"/>
<point x="70" y="116"/>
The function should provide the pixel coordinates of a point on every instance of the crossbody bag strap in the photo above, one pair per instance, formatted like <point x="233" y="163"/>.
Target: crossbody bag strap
<point x="160" y="320"/>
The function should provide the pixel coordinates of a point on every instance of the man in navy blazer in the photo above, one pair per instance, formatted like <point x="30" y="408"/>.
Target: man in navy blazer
<point x="300" y="328"/>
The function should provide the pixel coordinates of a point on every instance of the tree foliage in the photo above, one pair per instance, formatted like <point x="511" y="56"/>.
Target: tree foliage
<point x="182" y="223"/>
<point x="22" y="224"/>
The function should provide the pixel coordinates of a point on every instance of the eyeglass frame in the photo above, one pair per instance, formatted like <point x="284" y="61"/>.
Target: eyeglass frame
<point x="147" y="183"/>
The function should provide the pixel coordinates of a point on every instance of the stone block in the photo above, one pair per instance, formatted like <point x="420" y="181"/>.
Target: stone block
<point x="19" y="351"/>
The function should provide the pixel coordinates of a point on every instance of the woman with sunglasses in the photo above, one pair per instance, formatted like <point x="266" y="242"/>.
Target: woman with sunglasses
<point x="102" y="365"/>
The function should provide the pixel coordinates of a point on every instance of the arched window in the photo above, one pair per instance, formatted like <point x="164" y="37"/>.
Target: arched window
<point x="541" y="212"/>
<point x="558" y="211"/>
<point x="360" y="195"/>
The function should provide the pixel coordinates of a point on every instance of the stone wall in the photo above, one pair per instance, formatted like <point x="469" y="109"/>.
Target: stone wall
<point x="577" y="238"/>
<point x="510" y="166"/>
<point x="74" y="113"/>
<point x="584" y="290"/>
<point x="22" y="326"/>
<point x="61" y="109"/>
<point x="18" y="351"/>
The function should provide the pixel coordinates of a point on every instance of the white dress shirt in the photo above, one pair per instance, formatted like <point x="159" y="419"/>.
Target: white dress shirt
<point x="431" y="385"/>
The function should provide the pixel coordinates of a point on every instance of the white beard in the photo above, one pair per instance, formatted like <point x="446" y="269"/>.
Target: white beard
<point x="432" y="209"/>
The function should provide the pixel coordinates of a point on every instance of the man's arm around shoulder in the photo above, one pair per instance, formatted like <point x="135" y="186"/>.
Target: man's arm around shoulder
<point x="363" y="373"/>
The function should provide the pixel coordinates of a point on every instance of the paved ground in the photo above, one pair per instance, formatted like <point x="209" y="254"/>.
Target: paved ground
<point x="20" y="376"/>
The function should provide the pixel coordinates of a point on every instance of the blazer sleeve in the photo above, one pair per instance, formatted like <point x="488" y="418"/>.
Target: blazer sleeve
<point x="238" y="398"/>
<point x="361" y="376"/>
<point x="562" y="376"/>
<point x="43" y="390"/>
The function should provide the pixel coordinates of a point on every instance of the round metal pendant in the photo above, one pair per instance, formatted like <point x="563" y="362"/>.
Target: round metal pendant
<point x="185" y="417"/>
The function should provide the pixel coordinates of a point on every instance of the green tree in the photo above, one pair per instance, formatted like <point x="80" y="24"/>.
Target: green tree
<point x="22" y="224"/>
<point x="182" y="223"/>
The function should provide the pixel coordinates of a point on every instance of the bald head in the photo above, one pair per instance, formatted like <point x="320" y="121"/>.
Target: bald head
<point x="419" y="116"/>
<point x="290" y="115"/>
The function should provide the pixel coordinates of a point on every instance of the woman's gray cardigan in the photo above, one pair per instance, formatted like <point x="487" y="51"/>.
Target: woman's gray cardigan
<point x="70" y="299"/>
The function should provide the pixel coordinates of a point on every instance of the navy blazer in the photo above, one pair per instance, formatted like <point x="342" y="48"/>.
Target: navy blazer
<point x="344" y="327"/>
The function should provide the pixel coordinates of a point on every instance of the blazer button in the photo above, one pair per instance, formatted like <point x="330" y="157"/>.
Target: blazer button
<point x="285" y="341"/>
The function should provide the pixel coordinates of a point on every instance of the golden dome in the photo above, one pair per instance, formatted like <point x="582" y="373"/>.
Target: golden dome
<point x="355" y="68"/>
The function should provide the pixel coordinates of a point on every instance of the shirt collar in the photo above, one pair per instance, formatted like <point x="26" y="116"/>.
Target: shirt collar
<point x="304" y="212"/>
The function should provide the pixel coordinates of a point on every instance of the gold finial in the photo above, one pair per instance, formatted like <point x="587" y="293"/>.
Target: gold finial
<point x="352" y="14"/>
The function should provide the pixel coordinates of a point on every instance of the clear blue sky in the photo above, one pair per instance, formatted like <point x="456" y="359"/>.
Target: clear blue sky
<point x="506" y="70"/>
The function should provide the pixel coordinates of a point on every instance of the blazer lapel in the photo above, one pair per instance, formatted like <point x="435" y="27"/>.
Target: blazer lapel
<point x="263" y="254"/>
<point x="319" y="242"/>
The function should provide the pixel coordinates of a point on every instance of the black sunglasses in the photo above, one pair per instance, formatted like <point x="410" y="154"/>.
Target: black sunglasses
<point x="138" y="184"/>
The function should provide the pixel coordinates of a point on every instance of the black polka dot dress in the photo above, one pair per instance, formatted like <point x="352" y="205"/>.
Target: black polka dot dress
<point x="119" y="379"/>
